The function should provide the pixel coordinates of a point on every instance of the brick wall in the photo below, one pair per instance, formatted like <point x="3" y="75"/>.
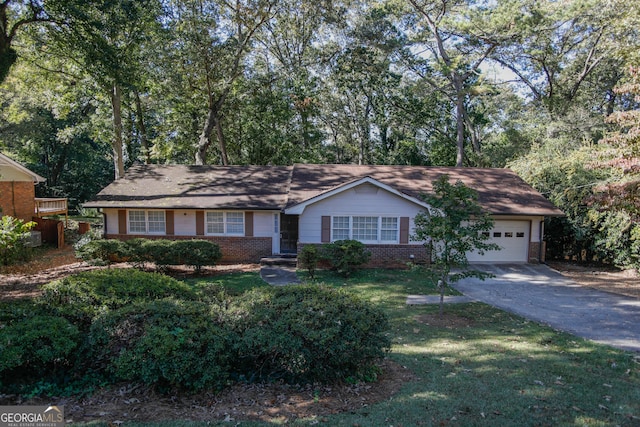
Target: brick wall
<point x="393" y="255"/>
<point x="17" y="199"/>
<point x="234" y="249"/>
<point x="535" y="254"/>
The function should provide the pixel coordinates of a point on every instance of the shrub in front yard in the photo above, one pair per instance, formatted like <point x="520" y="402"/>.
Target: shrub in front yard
<point x="308" y="258"/>
<point x="197" y="253"/>
<point x="83" y="296"/>
<point x="307" y="334"/>
<point x="127" y="325"/>
<point x="36" y="347"/>
<point x="100" y="251"/>
<point x="166" y="343"/>
<point x="163" y="253"/>
<point x="346" y="256"/>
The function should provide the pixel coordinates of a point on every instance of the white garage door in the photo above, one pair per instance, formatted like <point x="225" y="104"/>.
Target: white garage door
<point x="512" y="237"/>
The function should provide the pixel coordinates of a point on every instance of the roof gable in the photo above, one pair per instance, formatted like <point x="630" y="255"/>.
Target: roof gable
<point x="6" y="162"/>
<point x="500" y="191"/>
<point x="299" y="208"/>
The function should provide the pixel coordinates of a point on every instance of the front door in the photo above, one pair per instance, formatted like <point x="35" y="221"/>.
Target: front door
<point x="288" y="234"/>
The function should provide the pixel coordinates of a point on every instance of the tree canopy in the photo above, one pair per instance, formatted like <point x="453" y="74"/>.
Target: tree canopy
<point x="547" y="88"/>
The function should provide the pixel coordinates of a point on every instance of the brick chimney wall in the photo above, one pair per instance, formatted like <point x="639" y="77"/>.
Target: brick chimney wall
<point x="17" y="199"/>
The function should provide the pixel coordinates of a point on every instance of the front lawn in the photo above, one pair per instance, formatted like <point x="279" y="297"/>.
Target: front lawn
<point x="478" y="366"/>
<point x="495" y="369"/>
<point x="487" y="367"/>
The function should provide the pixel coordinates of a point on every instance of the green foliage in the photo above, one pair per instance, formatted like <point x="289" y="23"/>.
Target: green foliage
<point x="13" y="233"/>
<point x="599" y="223"/>
<point x="453" y="226"/>
<point x="197" y="253"/>
<point x="346" y="256"/>
<point x="167" y="343"/>
<point x="308" y="258"/>
<point x="83" y="296"/>
<point x="161" y="252"/>
<point x="616" y="238"/>
<point x="100" y="251"/>
<point x="35" y="346"/>
<point x="126" y="325"/>
<point x="308" y="333"/>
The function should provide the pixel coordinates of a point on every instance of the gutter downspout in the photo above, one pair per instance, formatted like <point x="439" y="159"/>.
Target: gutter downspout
<point x="541" y="255"/>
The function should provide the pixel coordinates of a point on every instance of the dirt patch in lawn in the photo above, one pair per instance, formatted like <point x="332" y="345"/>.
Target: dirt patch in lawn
<point x="24" y="280"/>
<point x="280" y="403"/>
<point x="604" y="278"/>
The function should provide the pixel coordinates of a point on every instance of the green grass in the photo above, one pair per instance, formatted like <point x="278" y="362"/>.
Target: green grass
<point x="234" y="283"/>
<point x="502" y="370"/>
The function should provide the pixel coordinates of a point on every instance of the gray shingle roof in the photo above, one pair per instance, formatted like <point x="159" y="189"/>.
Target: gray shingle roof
<point x="500" y="191"/>
<point x="197" y="187"/>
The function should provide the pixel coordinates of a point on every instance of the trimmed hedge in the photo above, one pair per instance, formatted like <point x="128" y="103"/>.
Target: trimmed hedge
<point x="308" y="333"/>
<point x="163" y="253"/>
<point x="37" y="346"/>
<point x="346" y="256"/>
<point x="308" y="258"/>
<point x="167" y="343"/>
<point x="83" y="296"/>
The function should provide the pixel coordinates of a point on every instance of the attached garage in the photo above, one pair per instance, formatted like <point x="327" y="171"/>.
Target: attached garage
<point x="513" y="237"/>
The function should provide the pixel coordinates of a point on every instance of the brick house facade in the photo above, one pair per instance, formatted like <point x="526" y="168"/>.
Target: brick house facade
<point x="17" y="189"/>
<point x="17" y="199"/>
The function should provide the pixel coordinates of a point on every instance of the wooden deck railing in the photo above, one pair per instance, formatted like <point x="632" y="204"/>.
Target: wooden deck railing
<point x="46" y="206"/>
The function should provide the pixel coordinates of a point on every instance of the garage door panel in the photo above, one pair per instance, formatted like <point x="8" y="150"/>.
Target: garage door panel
<point x="512" y="237"/>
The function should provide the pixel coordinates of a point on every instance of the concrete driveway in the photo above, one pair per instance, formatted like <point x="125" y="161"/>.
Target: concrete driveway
<point x="539" y="293"/>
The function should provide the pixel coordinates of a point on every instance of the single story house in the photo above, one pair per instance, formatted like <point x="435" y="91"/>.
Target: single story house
<point x="256" y="211"/>
<point x="17" y="189"/>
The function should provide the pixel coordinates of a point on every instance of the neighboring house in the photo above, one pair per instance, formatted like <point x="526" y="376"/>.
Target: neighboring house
<point x="17" y="189"/>
<point x="18" y="194"/>
<point x="256" y="211"/>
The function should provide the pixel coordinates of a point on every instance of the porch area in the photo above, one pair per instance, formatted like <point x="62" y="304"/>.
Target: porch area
<point x="49" y="206"/>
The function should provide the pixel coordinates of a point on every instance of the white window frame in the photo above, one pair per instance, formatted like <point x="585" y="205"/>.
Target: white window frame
<point x="227" y="223"/>
<point x="147" y="221"/>
<point x="396" y="229"/>
<point x="379" y="230"/>
<point x="342" y="228"/>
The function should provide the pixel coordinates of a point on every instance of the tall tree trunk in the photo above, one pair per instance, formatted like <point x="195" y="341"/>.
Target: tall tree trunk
<point x="460" y="114"/>
<point x="222" y="143"/>
<point x="142" y="129"/>
<point x="205" y="138"/>
<point x="211" y="122"/>
<point x="116" y="106"/>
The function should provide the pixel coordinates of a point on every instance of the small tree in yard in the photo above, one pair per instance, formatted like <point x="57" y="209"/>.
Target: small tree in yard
<point x="455" y="225"/>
